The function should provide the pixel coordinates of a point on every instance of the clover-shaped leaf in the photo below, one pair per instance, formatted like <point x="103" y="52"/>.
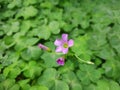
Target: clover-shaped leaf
<point x="15" y="87"/>
<point x="61" y="85"/>
<point x="27" y="12"/>
<point x="13" y="4"/>
<point x="38" y="87"/>
<point x="20" y="45"/>
<point x="29" y="2"/>
<point x="12" y="71"/>
<point x="32" y="52"/>
<point x="24" y="84"/>
<point x="107" y="85"/>
<point x="7" y="84"/>
<point x="44" y="32"/>
<point x="32" y="70"/>
<point x="69" y="66"/>
<point x="112" y="68"/>
<point x="81" y="49"/>
<point x="88" y="74"/>
<point x="114" y="38"/>
<point x="72" y="81"/>
<point x="50" y="59"/>
<point x="54" y="27"/>
<point x="48" y="78"/>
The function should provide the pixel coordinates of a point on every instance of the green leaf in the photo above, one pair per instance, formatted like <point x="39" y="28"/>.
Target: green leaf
<point x="24" y="84"/>
<point x="60" y="85"/>
<point x="104" y="54"/>
<point x="81" y="49"/>
<point x="102" y="84"/>
<point x="2" y="77"/>
<point x="32" y="70"/>
<point x="105" y="20"/>
<point x="57" y="15"/>
<point x="112" y="68"/>
<point x="88" y="74"/>
<point x="25" y="54"/>
<point x="114" y="38"/>
<point x="25" y="26"/>
<point x="13" y="57"/>
<point x="24" y="42"/>
<point x="7" y="84"/>
<point x="32" y="52"/>
<point x="69" y="66"/>
<point x="9" y="41"/>
<point x="7" y="13"/>
<point x="1" y="33"/>
<point x="46" y="4"/>
<point x="44" y="32"/>
<point x="89" y="87"/>
<point x="51" y="45"/>
<point x="14" y="3"/>
<point x="48" y="78"/>
<point x="114" y="85"/>
<point x="97" y="38"/>
<point x="15" y="87"/>
<point x="85" y="24"/>
<point x="36" y="87"/>
<point x="54" y="27"/>
<point x="67" y="27"/>
<point x="31" y="41"/>
<point x="72" y="81"/>
<point x="29" y="2"/>
<point x="27" y="12"/>
<point x="107" y="85"/>
<point x="77" y="18"/>
<point x="76" y="32"/>
<point x="12" y="71"/>
<point x="54" y="2"/>
<point x="35" y="52"/>
<point x="50" y="59"/>
<point x="14" y="27"/>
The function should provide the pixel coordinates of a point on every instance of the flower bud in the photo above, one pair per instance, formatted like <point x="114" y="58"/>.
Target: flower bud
<point x="44" y="47"/>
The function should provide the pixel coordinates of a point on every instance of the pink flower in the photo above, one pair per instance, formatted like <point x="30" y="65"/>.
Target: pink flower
<point x="63" y="44"/>
<point x="43" y="47"/>
<point x="60" y="61"/>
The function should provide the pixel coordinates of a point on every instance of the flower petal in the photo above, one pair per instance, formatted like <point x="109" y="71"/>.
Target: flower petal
<point x="58" y="42"/>
<point x="64" y="37"/>
<point x="58" y="49"/>
<point x="65" y="50"/>
<point x="70" y="43"/>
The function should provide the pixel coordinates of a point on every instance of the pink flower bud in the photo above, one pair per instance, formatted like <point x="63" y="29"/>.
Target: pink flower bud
<point x="60" y="61"/>
<point x="44" y="47"/>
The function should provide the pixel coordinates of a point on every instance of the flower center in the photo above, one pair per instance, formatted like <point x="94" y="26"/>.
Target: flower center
<point x="65" y="45"/>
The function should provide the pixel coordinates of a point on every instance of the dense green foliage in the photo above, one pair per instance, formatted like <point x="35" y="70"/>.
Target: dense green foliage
<point x="94" y="25"/>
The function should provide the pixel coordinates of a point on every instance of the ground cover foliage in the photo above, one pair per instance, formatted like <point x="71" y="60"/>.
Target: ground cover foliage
<point x="94" y="25"/>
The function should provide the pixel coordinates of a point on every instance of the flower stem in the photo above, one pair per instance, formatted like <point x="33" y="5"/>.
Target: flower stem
<point x="80" y="60"/>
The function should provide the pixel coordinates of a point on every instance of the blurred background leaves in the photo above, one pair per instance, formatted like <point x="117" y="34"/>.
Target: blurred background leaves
<point x="94" y="25"/>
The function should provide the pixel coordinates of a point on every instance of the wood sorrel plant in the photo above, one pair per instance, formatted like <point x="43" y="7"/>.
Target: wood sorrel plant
<point x="63" y="46"/>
